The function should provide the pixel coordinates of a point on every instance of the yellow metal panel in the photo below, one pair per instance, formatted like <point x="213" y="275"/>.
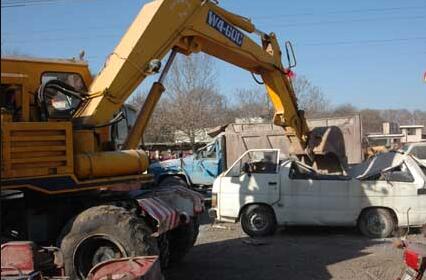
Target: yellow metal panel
<point x="111" y="164"/>
<point x="36" y="138"/>
<point x="36" y="149"/>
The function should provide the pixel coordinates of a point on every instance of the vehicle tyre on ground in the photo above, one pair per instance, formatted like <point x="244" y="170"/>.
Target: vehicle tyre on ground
<point x="182" y="239"/>
<point x="101" y="233"/>
<point x="258" y="220"/>
<point x="377" y="223"/>
<point x="173" y="181"/>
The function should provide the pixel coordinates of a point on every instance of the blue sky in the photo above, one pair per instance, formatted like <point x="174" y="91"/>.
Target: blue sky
<point x="371" y="54"/>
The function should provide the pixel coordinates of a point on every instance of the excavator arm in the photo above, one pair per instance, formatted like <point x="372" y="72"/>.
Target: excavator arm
<point x="189" y="26"/>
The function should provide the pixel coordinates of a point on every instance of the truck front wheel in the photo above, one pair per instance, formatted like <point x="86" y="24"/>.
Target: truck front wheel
<point x="102" y="233"/>
<point x="258" y="220"/>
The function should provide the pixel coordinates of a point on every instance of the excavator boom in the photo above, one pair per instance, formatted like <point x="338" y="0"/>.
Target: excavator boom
<point x="191" y="26"/>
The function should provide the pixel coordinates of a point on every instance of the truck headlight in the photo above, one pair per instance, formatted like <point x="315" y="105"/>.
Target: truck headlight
<point x="214" y="200"/>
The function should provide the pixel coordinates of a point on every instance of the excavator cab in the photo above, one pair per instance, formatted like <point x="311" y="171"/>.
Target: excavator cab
<point x="34" y="89"/>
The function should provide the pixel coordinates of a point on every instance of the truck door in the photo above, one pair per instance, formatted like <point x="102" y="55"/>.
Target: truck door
<point x="206" y="165"/>
<point x="300" y="195"/>
<point x="252" y="179"/>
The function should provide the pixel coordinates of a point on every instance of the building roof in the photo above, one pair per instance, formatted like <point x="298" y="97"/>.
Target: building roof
<point x="385" y="136"/>
<point x="412" y="126"/>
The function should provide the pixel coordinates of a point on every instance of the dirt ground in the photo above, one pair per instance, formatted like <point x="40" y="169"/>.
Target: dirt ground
<point x="224" y="252"/>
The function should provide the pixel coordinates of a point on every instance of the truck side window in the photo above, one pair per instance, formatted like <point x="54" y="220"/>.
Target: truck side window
<point x="255" y="162"/>
<point x="299" y="172"/>
<point x="209" y="151"/>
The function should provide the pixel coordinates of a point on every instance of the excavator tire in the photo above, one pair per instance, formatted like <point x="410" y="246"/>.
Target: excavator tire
<point x="101" y="233"/>
<point x="182" y="239"/>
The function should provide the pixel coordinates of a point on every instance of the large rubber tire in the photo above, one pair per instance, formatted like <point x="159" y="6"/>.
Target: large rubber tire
<point x="182" y="239"/>
<point x="173" y="181"/>
<point x="258" y="220"/>
<point x="101" y="233"/>
<point x="377" y="223"/>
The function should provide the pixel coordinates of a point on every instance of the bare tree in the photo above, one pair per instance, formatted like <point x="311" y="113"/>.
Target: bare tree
<point x="310" y="98"/>
<point x="253" y="102"/>
<point x="420" y="118"/>
<point x="372" y="120"/>
<point x="194" y="101"/>
<point x="343" y="110"/>
<point x="159" y="129"/>
<point x="401" y="116"/>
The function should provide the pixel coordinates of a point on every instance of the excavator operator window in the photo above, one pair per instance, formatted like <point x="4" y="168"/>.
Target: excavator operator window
<point x="61" y="94"/>
<point x="9" y="96"/>
<point x="72" y="79"/>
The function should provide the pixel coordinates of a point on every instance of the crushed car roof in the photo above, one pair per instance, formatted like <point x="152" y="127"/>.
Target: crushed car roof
<point x="375" y="165"/>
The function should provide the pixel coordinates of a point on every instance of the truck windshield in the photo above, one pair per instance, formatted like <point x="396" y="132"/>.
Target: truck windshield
<point x="208" y="152"/>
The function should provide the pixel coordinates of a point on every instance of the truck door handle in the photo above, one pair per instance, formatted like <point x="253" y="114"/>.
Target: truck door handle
<point x="272" y="183"/>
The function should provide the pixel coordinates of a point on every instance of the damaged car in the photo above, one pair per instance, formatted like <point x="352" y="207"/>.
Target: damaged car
<point x="378" y="196"/>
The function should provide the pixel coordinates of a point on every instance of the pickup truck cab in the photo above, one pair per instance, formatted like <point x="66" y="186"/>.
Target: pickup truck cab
<point x="263" y="192"/>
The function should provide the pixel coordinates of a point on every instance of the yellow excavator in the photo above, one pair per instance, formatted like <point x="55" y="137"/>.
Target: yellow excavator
<point x="65" y="180"/>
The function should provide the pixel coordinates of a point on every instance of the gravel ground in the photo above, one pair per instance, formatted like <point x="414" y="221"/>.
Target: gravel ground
<point x="224" y="252"/>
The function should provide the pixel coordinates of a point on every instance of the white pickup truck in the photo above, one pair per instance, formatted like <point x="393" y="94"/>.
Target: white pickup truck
<point x="263" y="191"/>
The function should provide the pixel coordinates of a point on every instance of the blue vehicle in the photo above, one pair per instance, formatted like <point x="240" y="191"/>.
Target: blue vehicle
<point x="197" y="170"/>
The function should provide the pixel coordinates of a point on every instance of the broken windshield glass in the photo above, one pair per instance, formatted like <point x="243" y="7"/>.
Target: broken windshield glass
<point x="376" y="165"/>
<point x="400" y="173"/>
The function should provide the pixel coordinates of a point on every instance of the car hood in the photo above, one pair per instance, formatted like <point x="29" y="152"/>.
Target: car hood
<point x="376" y="164"/>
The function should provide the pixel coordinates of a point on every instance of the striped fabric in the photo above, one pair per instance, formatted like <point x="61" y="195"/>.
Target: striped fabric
<point x="163" y="206"/>
<point x="196" y="198"/>
<point x="166" y="217"/>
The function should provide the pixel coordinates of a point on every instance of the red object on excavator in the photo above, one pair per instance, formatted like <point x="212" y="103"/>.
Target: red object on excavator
<point x="146" y="268"/>
<point x="26" y="259"/>
<point x="17" y="257"/>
